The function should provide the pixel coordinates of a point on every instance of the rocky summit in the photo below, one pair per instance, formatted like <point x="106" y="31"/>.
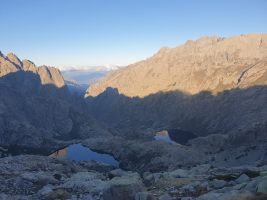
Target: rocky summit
<point x="189" y="123"/>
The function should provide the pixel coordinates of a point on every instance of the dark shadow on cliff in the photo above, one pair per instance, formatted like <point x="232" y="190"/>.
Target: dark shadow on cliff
<point x="35" y="116"/>
<point x="230" y="111"/>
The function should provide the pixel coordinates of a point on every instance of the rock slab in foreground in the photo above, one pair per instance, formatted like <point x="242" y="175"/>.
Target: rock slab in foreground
<point x="39" y="177"/>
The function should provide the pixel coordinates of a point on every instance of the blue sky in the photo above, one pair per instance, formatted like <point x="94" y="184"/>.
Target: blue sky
<point x="101" y="32"/>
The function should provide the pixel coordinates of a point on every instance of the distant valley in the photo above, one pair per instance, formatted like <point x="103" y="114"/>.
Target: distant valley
<point x="78" y="80"/>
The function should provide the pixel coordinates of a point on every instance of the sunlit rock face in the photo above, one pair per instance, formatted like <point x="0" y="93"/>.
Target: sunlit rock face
<point x="208" y="64"/>
<point x="51" y="75"/>
<point x="48" y="75"/>
<point x="14" y="60"/>
<point x="29" y="66"/>
<point x="6" y="66"/>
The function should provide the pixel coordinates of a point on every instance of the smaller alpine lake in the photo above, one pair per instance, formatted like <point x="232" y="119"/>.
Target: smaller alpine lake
<point x="77" y="152"/>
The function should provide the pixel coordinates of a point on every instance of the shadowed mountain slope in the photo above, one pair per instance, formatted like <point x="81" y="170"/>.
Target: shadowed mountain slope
<point x="230" y="111"/>
<point x="36" y="109"/>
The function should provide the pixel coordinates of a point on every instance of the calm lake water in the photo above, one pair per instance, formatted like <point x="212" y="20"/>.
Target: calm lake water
<point x="77" y="152"/>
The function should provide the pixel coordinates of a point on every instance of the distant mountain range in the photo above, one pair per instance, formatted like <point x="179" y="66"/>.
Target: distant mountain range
<point x="76" y="88"/>
<point x="87" y="75"/>
<point x="79" y="79"/>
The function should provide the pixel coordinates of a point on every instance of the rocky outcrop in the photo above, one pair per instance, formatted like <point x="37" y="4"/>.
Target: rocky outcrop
<point x="6" y="66"/>
<point x="11" y="57"/>
<point x="39" y="177"/>
<point x="51" y="75"/>
<point x="146" y="154"/>
<point x="29" y="66"/>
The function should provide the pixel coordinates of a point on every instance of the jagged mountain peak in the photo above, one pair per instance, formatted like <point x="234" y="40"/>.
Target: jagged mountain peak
<point x="48" y="75"/>
<point x="29" y="66"/>
<point x="51" y="75"/>
<point x="14" y="59"/>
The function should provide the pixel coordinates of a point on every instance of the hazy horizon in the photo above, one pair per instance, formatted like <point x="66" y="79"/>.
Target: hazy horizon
<point x="81" y="34"/>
